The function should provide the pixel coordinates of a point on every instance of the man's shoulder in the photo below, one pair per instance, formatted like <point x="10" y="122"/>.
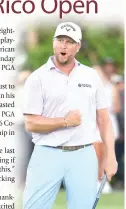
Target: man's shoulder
<point x="87" y="68"/>
<point x="37" y="74"/>
<point x="40" y="71"/>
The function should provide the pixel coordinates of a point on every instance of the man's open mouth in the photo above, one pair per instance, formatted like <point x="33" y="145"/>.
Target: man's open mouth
<point x="63" y="53"/>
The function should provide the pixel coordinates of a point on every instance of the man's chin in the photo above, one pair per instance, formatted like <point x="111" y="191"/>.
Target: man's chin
<point x="63" y="61"/>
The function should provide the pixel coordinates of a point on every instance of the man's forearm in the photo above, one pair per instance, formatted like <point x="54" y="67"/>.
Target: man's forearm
<point x="107" y="135"/>
<point x="40" y="124"/>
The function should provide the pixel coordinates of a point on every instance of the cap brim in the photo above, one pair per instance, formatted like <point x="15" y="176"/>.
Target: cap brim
<point x="66" y="34"/>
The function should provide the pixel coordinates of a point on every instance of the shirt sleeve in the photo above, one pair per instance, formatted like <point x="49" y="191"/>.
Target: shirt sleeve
<point x="33" y="96"/>
<point x="101" y="98"/>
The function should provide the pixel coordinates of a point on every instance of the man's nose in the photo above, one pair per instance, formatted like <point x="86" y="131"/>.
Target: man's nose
<point x="64" y="44"/>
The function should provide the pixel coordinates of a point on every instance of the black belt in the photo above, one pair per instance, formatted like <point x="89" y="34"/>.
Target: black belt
<point x="72" y="148"/>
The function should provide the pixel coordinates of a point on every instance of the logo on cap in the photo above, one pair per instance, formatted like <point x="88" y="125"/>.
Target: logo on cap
<point x="68" y="27"/>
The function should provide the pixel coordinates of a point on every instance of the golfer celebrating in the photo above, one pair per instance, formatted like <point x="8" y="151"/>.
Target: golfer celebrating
<point x="64" y="103"/>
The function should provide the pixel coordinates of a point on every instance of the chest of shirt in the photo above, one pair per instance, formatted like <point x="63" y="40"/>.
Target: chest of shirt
<point x="73" y="89"/>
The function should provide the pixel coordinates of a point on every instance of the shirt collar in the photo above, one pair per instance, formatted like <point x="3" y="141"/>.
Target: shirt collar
<point x="51" y="66"/>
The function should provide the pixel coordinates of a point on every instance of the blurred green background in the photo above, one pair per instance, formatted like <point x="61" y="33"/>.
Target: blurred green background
<point x="107" y="201"/>
<point x="97" y="43"/>
<point x="111" y="201"/>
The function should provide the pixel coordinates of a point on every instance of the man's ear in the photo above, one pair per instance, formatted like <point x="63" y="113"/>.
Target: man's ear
<point x="79" y="46"/>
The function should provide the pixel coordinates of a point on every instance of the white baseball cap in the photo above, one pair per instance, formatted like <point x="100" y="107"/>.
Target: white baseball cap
<point x="69" y="29"/>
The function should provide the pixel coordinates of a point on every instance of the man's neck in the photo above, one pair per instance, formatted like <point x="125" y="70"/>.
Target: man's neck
<point x="66" y="68"/>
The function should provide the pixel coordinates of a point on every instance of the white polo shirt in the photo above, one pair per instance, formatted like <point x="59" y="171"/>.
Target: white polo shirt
<point x="51" y="93"/>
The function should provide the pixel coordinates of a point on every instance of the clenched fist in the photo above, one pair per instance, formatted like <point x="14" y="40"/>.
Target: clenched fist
<point x="73" y="118"/>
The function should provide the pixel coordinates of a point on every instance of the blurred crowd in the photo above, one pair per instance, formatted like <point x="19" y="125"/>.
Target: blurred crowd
<point x="114" y="88"/>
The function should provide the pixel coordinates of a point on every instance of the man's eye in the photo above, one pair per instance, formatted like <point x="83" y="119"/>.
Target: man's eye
<point x="60" y="40"/>
<point x="70" y="42"/>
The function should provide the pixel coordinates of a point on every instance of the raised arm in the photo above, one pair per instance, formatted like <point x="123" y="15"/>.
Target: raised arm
<point x="40" y="124"/>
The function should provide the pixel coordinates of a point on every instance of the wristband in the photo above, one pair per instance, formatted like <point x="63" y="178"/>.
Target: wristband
<point x="65" y="122"/>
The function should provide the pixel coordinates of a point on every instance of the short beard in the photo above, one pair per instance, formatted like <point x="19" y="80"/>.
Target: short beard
<point x="62" y="62"/>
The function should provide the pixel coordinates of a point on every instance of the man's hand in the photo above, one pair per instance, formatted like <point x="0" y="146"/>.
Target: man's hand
<point x="101" y="169"/>
<point x="111" y="167"/>
<point x="73" y="118"/>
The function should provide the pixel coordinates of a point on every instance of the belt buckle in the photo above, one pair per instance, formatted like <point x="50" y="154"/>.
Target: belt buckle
<point x="63" y="149"/>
